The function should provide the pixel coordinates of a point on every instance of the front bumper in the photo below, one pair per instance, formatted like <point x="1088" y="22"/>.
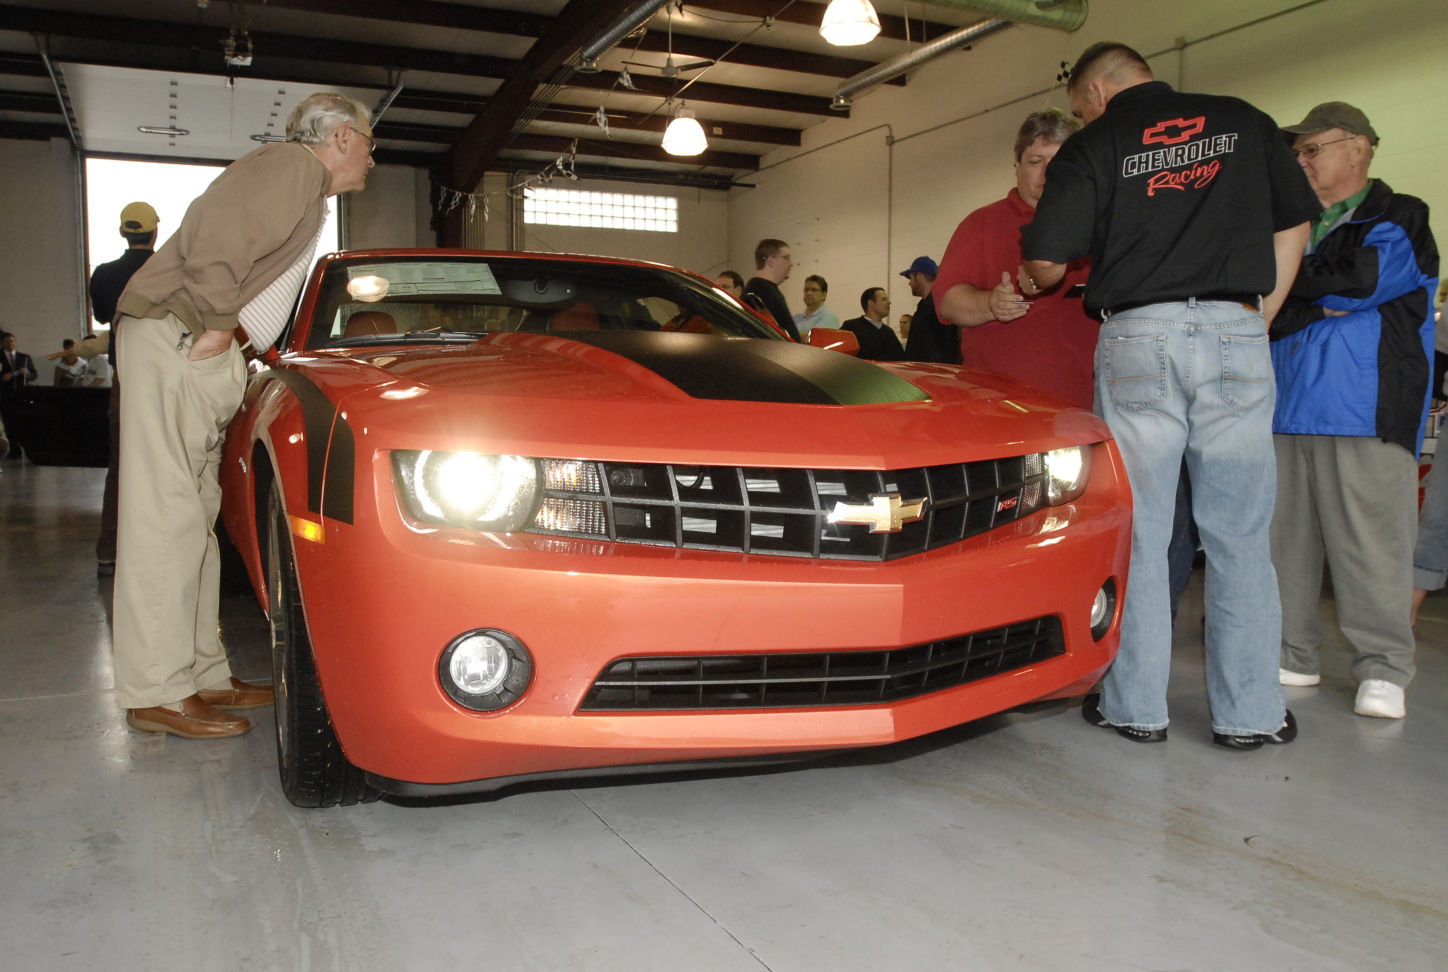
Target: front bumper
<point x="383" y="601"/>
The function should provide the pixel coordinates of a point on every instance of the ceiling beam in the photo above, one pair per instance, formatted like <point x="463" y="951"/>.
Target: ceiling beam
<point x="732" y="131"/>
<point x="811" y="13"/>
<point x="457" y="16"/>
<point x="636" y="151"/>
<point x="576" y="24"/>
<point x="29" y="101"/>
<point x="722" y="94"/>
<point x="33" y="131"/>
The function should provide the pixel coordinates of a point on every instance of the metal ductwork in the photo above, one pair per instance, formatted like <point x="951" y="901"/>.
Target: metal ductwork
<point x="1067" y="15"/>
<point x="625" y="25"/>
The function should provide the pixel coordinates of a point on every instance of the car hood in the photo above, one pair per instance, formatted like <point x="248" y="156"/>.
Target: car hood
<point x="642" y="396"/>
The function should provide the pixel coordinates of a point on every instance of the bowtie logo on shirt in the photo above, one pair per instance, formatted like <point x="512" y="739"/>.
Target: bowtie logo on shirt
<point x="1174" y="132"/>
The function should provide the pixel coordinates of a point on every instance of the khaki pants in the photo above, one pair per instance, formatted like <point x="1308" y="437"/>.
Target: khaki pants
<point x="164" y="635"/>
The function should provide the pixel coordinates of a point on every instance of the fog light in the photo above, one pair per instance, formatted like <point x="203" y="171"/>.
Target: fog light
<point x="1103" y="609"/>
<point x="485" y="669"/>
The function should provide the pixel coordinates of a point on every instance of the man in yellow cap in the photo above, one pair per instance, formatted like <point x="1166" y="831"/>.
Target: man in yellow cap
<point x="138" y="226"/>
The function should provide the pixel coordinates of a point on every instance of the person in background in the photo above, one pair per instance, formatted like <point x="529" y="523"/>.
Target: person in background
<point x="1353" y="354"/>
<point x="731" y="283"/>
<point x="772" y="262"/>
<point x="815" y="314"/>
<point x="70" y="370"/>
<point x="927" y="339"/>
<point x="877" y="339"/>
<point x="138" y="227"/>
<point x="1195" y="218"/>
<point x="237" y="261"/>
<point x="1049" y="341"/>
<point x="16" y="371"/>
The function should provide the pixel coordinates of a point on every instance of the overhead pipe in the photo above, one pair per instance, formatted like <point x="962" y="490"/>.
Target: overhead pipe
<point x="626" y="24"/>
<point x="1067" y="15"/>
<point x="895" y="67"/>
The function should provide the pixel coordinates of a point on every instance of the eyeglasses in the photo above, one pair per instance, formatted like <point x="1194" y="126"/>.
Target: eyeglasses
<point x="1313" y="149"/>
<point x="371" y="142"/>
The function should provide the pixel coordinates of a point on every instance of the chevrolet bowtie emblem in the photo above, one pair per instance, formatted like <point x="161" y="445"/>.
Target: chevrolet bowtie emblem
<point x="885" y="513"/>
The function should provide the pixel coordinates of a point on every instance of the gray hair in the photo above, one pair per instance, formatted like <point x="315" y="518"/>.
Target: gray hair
<point x="1052" y="124"/>
<point x="318" y="115"/>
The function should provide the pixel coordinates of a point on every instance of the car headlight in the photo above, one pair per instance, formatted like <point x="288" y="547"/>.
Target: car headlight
<point x="1066" y="473"/>
<point x="466" y="489"/>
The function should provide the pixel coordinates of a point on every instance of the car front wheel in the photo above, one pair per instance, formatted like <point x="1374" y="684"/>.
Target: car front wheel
<point x="314" y="771"/>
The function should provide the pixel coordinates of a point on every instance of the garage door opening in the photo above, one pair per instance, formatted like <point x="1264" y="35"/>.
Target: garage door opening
<point x="169" y="187"/>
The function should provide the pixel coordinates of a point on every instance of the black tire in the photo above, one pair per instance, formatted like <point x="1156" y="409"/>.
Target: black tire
<point x="314" y="771"/>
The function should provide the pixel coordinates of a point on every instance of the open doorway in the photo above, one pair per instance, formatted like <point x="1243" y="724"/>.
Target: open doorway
<point x="169" y="187"/>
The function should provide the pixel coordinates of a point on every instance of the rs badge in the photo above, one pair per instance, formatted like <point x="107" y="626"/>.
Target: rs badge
<point x="885" y="513"/>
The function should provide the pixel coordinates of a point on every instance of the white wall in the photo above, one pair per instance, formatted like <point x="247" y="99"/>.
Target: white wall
<point x="393" y="210"/>
<point x="44" y="283"/>
<point x="864" y="196"/>
<point x="701" y="244"/>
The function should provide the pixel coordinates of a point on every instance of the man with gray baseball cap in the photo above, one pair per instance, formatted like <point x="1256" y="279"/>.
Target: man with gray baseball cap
<point x="1352" y="349"/>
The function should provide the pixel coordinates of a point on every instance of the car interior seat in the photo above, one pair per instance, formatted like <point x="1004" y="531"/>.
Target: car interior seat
<point x="367" y="323"/>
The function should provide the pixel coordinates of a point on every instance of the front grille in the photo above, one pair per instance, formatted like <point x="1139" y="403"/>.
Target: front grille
<point x="784" y="512"/>
<point x="807" y="679"/>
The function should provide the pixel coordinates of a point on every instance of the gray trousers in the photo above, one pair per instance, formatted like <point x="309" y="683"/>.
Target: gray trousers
<point x="1355" y="500"/>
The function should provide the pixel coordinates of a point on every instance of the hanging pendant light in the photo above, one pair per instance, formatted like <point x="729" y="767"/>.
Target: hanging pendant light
<point x="849" y="23"/>
<point x="684" y="136"/>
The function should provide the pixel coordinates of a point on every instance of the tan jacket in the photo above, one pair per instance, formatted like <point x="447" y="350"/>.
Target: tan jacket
<point x="252" y="223"/>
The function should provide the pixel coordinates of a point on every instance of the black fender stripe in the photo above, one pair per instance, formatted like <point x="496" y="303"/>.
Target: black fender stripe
<point x="752" y="370"/>
<point x="329" y="488"/>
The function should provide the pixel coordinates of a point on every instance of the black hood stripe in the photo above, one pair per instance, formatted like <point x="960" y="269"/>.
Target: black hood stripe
<point x="329" y="491"/>
<point x="751" y="370"/>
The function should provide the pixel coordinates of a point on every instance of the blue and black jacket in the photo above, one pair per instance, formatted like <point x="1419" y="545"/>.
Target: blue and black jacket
<point x="1367" y="371"/>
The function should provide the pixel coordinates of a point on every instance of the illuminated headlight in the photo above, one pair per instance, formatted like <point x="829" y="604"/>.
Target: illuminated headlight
<point x="1066" y="473"/>
<point x="485" y="669"/>
<point x="466" y="489"/>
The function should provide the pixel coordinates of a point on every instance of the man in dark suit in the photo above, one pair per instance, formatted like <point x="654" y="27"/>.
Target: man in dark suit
<point x="877" y="341"/>
<point x="16" y="371"/>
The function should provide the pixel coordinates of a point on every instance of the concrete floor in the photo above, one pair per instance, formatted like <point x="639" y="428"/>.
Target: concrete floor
<point x="1025" y="841"/>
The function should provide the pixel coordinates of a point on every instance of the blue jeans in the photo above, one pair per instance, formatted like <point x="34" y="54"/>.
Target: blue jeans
<point x="1193" y="380"/>
<point x="1430" y="556"/>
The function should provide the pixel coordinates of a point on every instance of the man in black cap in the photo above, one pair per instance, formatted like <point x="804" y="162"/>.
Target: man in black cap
<point x="928" y="340"/>
<point x="107" y="282"/>
<point x="1352" y="349"/>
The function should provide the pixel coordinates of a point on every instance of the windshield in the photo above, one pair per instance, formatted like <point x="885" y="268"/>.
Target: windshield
<point x="367" y="302"/>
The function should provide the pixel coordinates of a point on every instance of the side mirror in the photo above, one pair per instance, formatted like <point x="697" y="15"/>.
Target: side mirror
<point x="835" y="339"/>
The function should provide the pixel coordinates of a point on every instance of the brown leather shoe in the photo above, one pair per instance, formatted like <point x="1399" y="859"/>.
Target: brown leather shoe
<point x="239" y="696"/>
<point x="196" y="720"/>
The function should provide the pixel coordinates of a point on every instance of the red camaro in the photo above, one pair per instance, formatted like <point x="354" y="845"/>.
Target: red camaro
<point x="519" y="515"/>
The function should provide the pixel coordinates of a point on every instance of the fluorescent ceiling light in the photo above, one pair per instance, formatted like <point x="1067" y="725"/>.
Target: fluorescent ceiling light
<point x="849" y="23"/>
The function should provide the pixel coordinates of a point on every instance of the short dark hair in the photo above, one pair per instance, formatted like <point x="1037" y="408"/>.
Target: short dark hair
<point x="824" y="284"/>
<point x="734" y="278"/>
<point x="140" y="239"/>
<point x="1106" y="58"/>
<point x="67" y="344"/>
<point x="868" y="296"/>
<point x="765" y="249"/>
<point x="1052" y="124"/>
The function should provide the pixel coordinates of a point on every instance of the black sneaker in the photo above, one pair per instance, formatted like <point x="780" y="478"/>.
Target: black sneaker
<point x="1282" y="736"/>
<point x="1091" y="712"/>
<point x="105" y="568"/>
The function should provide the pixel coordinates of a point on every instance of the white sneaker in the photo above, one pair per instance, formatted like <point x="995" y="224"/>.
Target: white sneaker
<point x="1297" y="678"/>
<point x="1381" y="699"/>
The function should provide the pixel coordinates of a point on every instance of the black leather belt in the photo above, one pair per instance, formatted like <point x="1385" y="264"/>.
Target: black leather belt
<point x="1249" y="301"/>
